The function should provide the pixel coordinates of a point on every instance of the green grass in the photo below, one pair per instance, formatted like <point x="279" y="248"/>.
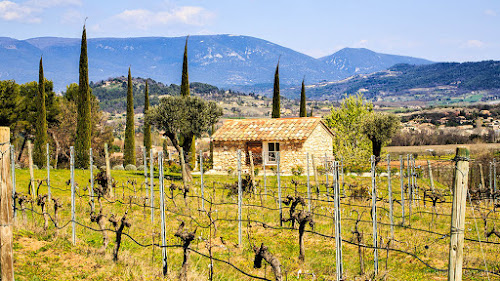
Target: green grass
<point x="41" y="255"/>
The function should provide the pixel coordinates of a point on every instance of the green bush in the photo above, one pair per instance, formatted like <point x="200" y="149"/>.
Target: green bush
<point x="297" y="170"/>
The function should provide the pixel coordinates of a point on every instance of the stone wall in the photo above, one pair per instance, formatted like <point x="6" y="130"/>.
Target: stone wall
<point x="293" y="153"/>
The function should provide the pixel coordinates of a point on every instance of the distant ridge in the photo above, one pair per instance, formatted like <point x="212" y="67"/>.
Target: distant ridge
<point x="221" y="60"/>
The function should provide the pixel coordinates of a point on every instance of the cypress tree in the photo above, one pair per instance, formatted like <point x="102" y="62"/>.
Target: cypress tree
<point x="276" y="93"/>
<point x="185" y="78"/>
<point x="83" y="127"/>
<point x="191" y="156"/>
<point x="147" y="126"/>
<point x="41" y="122"/>
<point x="129" y="153"/>
<point x="303" y="112"/>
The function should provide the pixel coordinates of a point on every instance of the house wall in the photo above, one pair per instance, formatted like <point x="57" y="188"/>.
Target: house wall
<point x="293" y="153"/>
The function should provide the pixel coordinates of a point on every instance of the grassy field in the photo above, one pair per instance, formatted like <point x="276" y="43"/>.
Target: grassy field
<point x="43" y="255"/>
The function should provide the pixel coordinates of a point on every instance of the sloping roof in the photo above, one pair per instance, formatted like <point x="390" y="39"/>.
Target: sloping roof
<point x="268" y="129"/>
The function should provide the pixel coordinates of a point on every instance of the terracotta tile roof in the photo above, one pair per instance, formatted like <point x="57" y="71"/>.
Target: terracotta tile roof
<point x="268" y="129"/>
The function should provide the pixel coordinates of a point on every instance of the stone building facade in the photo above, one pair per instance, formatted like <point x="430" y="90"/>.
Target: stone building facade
<point x="292" y="138"/>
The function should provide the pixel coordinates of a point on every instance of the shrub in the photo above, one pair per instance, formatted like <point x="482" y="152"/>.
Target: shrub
<point x="140" y="168"/>
<point x="172" y="167"/>
<point x="230" y="170"/>
<point x="321" y="169"/>
<point x="118" y="168"/>
<point x="131" y="167"/>
<point x="297" y="170"/>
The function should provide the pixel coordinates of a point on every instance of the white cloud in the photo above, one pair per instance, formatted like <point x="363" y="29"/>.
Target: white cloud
<point x="361" y="43"/>
<point x="473" y="44"/>
<point x="144" y="19"/>
<point x="490" y="13"/>
<point x="30" y="10"/>
<point x="10" y="11"/>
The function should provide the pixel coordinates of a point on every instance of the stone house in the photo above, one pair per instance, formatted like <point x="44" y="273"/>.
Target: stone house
<point x="291" y="137"/>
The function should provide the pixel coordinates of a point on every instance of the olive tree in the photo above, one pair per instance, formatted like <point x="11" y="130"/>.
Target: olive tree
<point x="379" y="128"/>
<point x="182" y="118"/>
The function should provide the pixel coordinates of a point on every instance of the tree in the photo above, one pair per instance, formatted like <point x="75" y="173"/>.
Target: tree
<point x="9" y="102"/>
<point x="189" y="145"/>
<point x="129" y="146"/>
<point x="276" y="93"/>
<point x="83" y="121"/>
<point x="379" y="128"/>
<point x="39" y="153"/>
<point x="183" y="118"/>
<point x="147" y="126"/>
<point x="303" y="112"/>
<point x="345" y="122"/>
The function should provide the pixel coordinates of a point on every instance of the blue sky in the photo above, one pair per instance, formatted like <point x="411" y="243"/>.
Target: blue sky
<point x="439" y="30"/>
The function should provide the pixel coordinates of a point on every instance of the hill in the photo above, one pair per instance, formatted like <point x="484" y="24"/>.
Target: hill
<point x="439" y="83"/>
<point x="221" y="60"/>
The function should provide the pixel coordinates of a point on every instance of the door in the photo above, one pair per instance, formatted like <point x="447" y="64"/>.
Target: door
<point x="256" y="148"/>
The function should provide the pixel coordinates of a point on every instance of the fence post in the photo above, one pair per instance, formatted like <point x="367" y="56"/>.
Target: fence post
<point x="183" y="167"/>
<point x="108" y="170"/>
<point x="32" y="176"/>
<point x="72" y="168"/>
<point x="343" y="175"/>
<point x="402" y="183"/>
<point x="430" y="175"/>
<point x="264" y="168"/>
<point x="162" y="210"/>
<point x="491" y="181"/>
<point x="315" y="173"/>
<point x="458" y="214"/>
<point x="252" y="172"/>
<point x="6" y="253"/>
<point x="13" y="171"/>
<point x="240" y="198"/>
<point x="410" y="191"/>
<point x="145" y="162"/>
<point x="483" y="186"/>
<point x="326" y="178"/>
<point x="374" y="214"/>
<point x="389" y="188"/>
<point x="494" y="176"/>
<point x="48" y="173"/>
<point x="338" y="225"/>
<point x="91" y="189"/>
<point x="201" y="182"/>
<point x="308" y="183"/>
<point x="278" y="175"/>
<point x="152" y="185"/>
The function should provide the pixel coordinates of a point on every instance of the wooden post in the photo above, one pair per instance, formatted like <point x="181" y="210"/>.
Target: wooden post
<point x="13" y="171"/>
<point x="145" y="162"/>
<point x="32" y="176"/>
<point x="483" y="186"/>
<point x="389" y="188"/>
<point x="6" y="216"/>
<point x="48" y="173"/>
<point x="458" y="214"/>
<point x="252" y="172"/>
<point x="430" y="175"/>
<point x="264" y="170"/>
<point x="108" y="170"/>
<point x="374" y="215"/>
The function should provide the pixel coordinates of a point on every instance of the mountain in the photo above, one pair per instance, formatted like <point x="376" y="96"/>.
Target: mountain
<point x="221" y="60"/>
<point x="350" y="61"/>
<point x="434" y="83"/>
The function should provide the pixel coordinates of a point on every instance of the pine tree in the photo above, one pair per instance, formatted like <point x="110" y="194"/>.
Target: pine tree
<point x="41" y="122"/>
<point x="129" y="149"/>
<point x="83" y="127"/>
<point x="147" y="126"/>
<point x="185" y="78"/>
<point x="303" y="112"/>
<point x="276" y="94"/>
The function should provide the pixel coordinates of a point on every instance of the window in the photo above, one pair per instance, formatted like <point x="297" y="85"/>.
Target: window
<point x="272" y="148"/>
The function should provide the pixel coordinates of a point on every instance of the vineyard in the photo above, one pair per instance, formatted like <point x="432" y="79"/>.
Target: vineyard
<point x="389" y="223"/>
